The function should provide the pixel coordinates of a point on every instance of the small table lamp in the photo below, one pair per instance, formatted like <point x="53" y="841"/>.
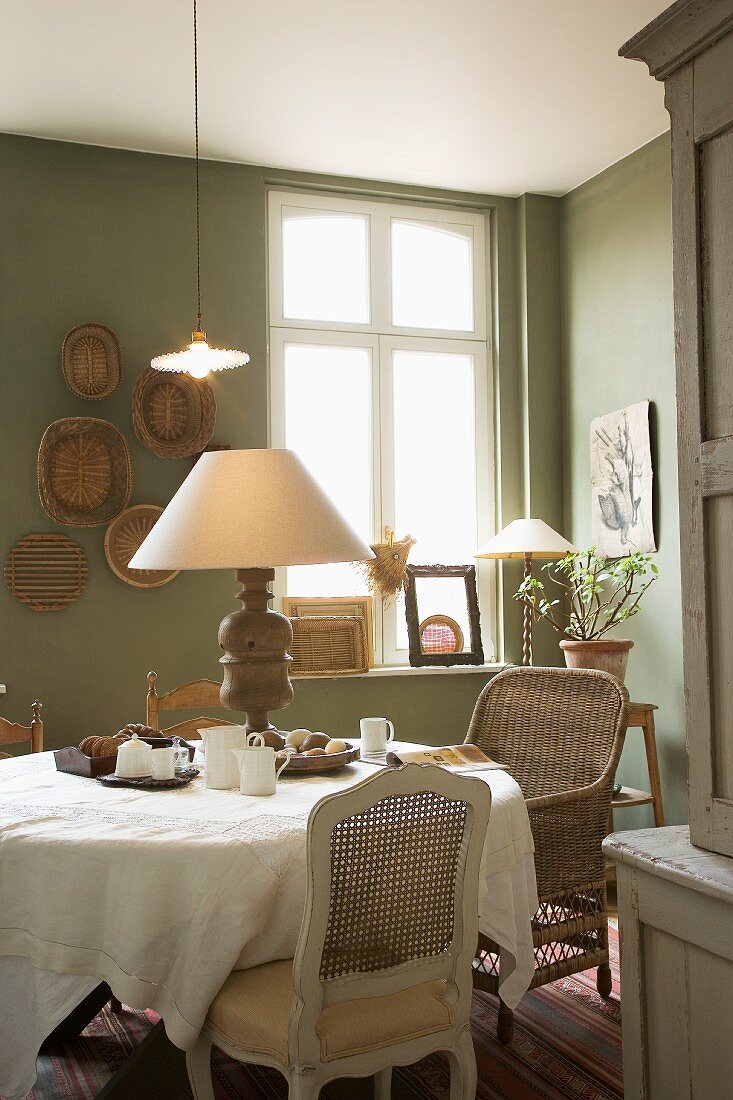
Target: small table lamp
<point x="527" y="539"/>
<point x="249" y="511"/>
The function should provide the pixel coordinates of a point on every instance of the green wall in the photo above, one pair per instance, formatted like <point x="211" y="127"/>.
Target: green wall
<point x="618" y="349"/>
<point x="92" y="234"/>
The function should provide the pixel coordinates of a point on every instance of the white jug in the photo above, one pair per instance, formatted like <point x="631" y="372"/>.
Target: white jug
<point x="221" y="771"/>
<point x="256" y="763"/>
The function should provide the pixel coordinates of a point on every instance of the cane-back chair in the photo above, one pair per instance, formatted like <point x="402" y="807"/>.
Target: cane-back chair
<point x="13" y="734"/>
<point x="382" y="969"/>
<point x="560" y="732"/>
<point x="196" y="693"/>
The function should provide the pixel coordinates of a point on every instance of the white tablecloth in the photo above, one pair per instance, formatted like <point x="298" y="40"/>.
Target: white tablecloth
<point x="163" y="895"/>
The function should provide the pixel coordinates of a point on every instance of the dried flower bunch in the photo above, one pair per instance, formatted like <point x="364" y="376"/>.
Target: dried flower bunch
<point x="600" y="593"/>
<point x="387" y="570"/>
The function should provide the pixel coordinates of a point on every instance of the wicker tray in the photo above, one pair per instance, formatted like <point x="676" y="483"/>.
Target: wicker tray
<point x="329" y="763"/>
<point x="174" y="415"/>
<point x="91" y="361"/>
<point x="328" y="645"/>
<point x="124" y="536"/>
<point x="46" y="572"/>
<point x="147" y="783"/>
<point x="84" y="473"/>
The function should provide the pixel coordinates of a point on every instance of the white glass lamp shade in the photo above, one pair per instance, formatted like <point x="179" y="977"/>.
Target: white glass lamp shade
<point x="526" y="536"/>
<point x="198" y="359"/>
<point x="247" y="510"/>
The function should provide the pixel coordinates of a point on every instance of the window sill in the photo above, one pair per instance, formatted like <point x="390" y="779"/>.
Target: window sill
<point x="408" y="670"/>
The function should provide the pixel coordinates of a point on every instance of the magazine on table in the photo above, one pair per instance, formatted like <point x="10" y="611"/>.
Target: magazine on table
<point x="455" y="758"/>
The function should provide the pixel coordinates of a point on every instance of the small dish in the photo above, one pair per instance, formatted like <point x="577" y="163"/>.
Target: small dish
<point x="183" y="777"/>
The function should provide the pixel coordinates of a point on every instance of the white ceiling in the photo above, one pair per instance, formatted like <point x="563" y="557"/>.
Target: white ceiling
<point x="498" y="96"/>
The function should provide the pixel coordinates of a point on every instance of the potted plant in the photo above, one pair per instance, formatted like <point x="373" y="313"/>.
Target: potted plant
<point x="599" y="594"/>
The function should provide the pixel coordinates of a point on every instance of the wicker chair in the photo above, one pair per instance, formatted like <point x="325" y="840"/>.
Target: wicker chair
<point x="382" y="970"/>
<point x="560" y="732"/>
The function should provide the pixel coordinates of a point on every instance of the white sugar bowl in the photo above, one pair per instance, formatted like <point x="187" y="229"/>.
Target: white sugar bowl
<point x="133" y="759"/>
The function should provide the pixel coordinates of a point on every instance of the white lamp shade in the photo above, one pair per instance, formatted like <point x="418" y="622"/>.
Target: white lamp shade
<point x="249" y="509"/>
<point x="526" y="536"/>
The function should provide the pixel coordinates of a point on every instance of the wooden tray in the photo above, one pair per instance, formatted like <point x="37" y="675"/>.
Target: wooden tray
<point x="174" y="415"/>
<point x="123" y="538"/>
<point x="84" y="472"/>
<point x="75" y="762"/>
<point x="91" y="361"/>
<point x="329" y="763"/>
<point x="46" y="572"/>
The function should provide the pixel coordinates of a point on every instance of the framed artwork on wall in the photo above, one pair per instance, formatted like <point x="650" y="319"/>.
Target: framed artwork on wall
<point x="424" y="585"/>
<point x="621" y="480"/>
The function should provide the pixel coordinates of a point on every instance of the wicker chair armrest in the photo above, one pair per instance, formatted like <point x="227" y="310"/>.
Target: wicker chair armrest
<point x="564" y="798"/>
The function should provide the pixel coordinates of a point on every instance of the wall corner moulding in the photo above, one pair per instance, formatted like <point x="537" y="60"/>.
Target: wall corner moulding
<point x="84" y="471"/>
<point x="91" y="361"/>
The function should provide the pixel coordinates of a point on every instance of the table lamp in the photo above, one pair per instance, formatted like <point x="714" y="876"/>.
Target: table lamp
<point x="526" y="539"/>
<point x="250" y="511"/>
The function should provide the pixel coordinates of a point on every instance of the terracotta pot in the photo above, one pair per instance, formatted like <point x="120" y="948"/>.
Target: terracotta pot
<point x="606" y="654"/>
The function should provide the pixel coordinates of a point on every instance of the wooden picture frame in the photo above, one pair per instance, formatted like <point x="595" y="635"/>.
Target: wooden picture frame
<point x="475" y="654"/>
<point x="360" y="607"/>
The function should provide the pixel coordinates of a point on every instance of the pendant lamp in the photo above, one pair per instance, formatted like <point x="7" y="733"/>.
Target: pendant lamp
<point x="198" y="358"/>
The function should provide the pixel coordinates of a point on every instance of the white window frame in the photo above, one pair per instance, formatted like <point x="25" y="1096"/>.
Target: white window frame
<point x="381" y="338"/>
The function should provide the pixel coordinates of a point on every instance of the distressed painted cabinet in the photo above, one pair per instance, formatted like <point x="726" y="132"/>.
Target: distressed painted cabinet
<point x="690" y="48"/>
<point x="675" y="885"/>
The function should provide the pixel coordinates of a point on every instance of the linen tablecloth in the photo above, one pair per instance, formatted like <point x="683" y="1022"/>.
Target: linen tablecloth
<point x="163" y="894"/>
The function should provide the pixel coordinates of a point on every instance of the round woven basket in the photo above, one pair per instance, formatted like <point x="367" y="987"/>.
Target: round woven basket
<point x="84" y="472"/>
<point x="91" y="361"/>
<point x="440" y="634"/>
<point x="174" y="415"/>
<point x="46" y="572"/>
<point x="123" y="538"/>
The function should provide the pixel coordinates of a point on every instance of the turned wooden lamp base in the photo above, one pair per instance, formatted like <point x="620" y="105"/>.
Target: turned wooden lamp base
<point x="256" y="660"/>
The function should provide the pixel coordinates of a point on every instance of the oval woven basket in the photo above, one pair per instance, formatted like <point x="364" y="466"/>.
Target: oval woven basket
<point x="91" y="361"/>
<point x="84" y="473"/>
<point x="46" y="572"/>
<point x="123" y="538"/>
<point x="174" y="415"/>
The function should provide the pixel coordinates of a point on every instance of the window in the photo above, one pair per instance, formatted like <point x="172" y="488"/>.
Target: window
<point x="379" y="381"/>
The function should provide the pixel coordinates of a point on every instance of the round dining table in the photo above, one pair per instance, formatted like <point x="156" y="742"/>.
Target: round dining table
<point x="162" y="894"/>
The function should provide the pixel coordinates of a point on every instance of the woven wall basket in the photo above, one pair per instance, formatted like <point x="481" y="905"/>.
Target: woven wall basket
<point x="328" y="645"/>
<point x="174" y="415"/>
<point x="91" y="361"/>
<point x="84" y="474"/>
<point x="46" y="572"/>
<point x="124" y="536"/>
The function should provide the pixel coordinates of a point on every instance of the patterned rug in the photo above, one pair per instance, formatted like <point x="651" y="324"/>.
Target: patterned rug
<point x="567" y="1043"/>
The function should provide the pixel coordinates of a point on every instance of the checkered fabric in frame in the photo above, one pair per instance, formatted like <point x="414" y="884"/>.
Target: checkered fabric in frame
<point x="393" y="881"/>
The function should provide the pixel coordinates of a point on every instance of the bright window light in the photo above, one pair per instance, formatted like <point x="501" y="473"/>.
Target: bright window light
<point x="432" y="283"/>
<point x="328" y="423"/>
<point x="325" y="267"/>
<point x="435" y="471"/>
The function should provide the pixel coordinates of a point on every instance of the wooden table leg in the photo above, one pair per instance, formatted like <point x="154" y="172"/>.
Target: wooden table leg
<point x="72" y="1027"/>
<point x="155" y="1069"/>
<point x="652" y="761"/>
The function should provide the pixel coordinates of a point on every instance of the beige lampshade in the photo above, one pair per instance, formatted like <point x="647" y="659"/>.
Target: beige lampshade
<point x="526" y="536"/>
<point x="249" y="509"/>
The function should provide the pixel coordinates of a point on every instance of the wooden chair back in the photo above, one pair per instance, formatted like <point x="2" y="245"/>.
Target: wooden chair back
<point x="11" y="733"/>
<point x="392" y="896"/>
<point x="196" y="693"/>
